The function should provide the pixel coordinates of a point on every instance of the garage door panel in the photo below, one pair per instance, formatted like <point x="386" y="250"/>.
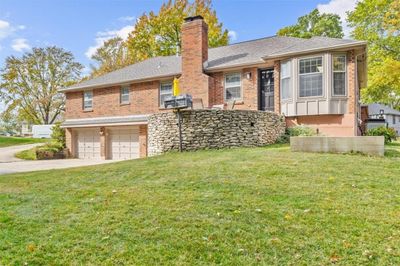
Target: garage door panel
<point x="124" y="143"/>
<point x="88" y="144"/>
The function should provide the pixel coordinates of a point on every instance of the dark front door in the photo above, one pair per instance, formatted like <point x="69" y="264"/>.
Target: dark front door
<point x="266" y="89"/>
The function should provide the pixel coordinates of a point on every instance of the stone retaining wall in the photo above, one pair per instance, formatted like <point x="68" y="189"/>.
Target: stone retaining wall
<point x="213" y="129"/>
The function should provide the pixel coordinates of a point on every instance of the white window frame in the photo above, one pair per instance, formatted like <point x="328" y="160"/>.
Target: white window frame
<point x="121" y="101"/>
<point x="240" y="84"/>
<point x="345" y="76"/>
<point x="85" y="101"/>
<point x="322" y="74"/>
<point x="286" y="77"/>
<point x="169" y="82"/>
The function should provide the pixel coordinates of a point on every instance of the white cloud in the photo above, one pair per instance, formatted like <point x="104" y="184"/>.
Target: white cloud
<point x="5" y="29"/>
<point x="127" y="18"/>
<point x="339" y="7"/>
<point x="103" y="36"/>
<point x="20" y="45"/>
<point x="232" y="35"/>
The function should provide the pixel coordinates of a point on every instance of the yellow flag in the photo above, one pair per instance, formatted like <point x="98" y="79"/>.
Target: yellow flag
<point x="176" y="87"/>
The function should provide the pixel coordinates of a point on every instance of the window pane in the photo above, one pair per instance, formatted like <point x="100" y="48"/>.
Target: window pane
<point x="125" y="95"/>
<point x="311" y="85"/>
<point x="286" y="91"/>
<point x="233" y="93"/>
<point x="339" y="63"/>
<point x="311" y="65"/>
<point x="165" y="92"/>
<point x="87" y="100"/>
<point x="232" y="86"/>
<point x="339" y="83"/>
<point x="232" y="80"/>
<point x="285" y="69"/>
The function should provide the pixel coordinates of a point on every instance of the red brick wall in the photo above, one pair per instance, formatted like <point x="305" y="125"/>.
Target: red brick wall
<point x="249" y="89"/>
<point x="144" y="99"/>
<point x="194" y="53"/>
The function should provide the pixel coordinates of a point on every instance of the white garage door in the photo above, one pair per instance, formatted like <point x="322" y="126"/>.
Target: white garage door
<point x="124" y="143"/>
<point x="88" y="146"/>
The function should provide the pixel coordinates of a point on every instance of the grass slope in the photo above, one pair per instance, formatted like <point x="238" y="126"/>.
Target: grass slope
<point x="12" y="141"/>
<point x="233" y="207"/>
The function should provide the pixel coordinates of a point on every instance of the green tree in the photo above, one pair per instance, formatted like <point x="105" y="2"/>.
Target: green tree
<point x="160" y="34"/>
<point x="111" y="56"/>
<point x="29" y="84"/>
<point x="377" y="22"/>
<point x="314" y="24"/>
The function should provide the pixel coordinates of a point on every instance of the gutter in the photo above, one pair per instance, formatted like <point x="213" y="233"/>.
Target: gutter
<point x="117" y="83"/>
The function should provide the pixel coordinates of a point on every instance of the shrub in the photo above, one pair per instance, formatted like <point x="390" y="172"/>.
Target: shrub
<point x="52" y="150"/>
<point x="58" y="135"/>
<point x="296" y="131"/>
<point x="388" y="132"/>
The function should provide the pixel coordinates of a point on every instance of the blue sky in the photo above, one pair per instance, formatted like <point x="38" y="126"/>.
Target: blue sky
<point x="80" y="26"/>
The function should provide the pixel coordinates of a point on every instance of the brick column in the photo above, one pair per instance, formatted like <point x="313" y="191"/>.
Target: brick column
<point x="142" y="141"/>
<point x="351" y="81"/>
<point x="277" y="94"/>
<point x="68" y="142"/>
<point x="103" y="143"/>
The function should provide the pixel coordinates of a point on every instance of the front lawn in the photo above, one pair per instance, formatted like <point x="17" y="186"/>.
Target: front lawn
<point x="232" y="207"/>
<point x="12" y="141"/>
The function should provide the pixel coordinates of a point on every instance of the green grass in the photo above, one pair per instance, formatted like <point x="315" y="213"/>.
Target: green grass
<point x="27" y="154"/>
<point x="243" y="206"/>
<point x="12" y="141"/>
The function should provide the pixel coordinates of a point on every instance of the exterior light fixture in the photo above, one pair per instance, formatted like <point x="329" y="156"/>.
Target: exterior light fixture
<point x="248" y="75"/>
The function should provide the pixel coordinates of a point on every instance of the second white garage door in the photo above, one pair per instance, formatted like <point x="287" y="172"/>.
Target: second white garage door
<point x="124" y="143"/>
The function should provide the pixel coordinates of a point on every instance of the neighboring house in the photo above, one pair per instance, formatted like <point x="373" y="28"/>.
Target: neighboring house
<point x="311" y="81"/>
<point x="380" y="111"/>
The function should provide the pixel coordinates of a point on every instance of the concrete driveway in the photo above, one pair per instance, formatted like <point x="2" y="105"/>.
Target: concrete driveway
<point x="9" y="164"/>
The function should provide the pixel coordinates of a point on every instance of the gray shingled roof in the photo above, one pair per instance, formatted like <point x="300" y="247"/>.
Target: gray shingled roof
<point x="374" y="109"/>
<point x="239" y="54"/>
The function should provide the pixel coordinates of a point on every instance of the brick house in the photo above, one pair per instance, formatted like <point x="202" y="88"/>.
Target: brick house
<point x="311" y="81"/>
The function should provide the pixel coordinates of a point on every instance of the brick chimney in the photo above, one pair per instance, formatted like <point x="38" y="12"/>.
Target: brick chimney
<point x="194" y="54"/>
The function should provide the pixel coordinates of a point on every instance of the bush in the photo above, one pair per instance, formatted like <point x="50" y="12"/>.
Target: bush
<point x="296" y="131"/>
<point x="388" y="132"/>
<point x="58" y="134"/>
<point x="52" y="150"/>
<point x="301" y="130"/>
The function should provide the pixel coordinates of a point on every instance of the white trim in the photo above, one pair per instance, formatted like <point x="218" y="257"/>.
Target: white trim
<point x="241" y="87"/>
<point x="105" y="125"/>
<point x="322" y="73"/>
<point x="290" y="77"/>
<point x="333" y="76"/>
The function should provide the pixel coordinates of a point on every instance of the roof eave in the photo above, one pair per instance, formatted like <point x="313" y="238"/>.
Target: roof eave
<point x="333" y="47"/>
<point x="105" y="85"/>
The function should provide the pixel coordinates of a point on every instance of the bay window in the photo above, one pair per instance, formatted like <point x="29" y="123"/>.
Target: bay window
<point x="233" y="90"/>
<point x="286" y="90"/>
<point x="339" y="75"/>
<point x="310" y="75"/>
